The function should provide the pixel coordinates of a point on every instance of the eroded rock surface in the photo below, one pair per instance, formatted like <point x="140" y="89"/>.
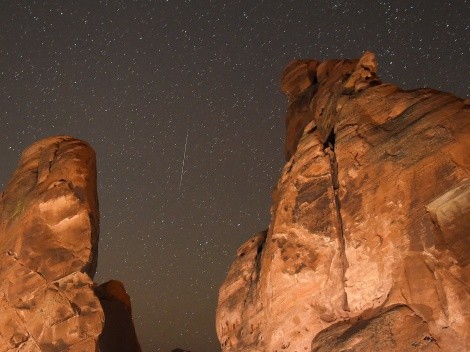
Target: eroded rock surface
<point x="48" y="250"/>
<point x="368" y="247"/>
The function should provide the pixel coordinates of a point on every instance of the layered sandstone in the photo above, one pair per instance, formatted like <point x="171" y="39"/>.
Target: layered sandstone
<point x="49" y="224"/>
<point x="368" y="247"/>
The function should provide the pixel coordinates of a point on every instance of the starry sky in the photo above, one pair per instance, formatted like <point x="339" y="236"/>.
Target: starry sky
<point x="153" y="84"/>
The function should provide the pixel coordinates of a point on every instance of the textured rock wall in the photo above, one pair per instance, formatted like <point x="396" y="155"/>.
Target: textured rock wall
<point x="368" y="247"/>
<point x="49" y="224"/>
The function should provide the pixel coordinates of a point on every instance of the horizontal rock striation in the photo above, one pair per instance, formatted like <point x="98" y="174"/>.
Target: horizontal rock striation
<point x="368" y="246"/>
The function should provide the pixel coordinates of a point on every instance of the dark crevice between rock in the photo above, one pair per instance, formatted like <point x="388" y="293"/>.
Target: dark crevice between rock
<point x="330" y="141"/>
<point x="329" y="146"/>
<point x="53" y="158"/>
<point x="46" y="159"/>
<point x="257" y="269"/>
<point x="259" y="252"/>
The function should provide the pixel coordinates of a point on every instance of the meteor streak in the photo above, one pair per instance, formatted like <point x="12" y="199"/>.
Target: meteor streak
<point x="184" y="158"/>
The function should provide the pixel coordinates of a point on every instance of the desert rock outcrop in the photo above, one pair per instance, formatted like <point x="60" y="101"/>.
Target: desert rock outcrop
<point x="118" y="332"/>
<point x="49" y="224"/>
<point x="368" y="246"/>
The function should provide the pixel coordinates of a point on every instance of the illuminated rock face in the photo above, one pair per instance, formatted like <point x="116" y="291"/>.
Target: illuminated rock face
<point x="48" y="250"/>
<point x="369" y="243"/>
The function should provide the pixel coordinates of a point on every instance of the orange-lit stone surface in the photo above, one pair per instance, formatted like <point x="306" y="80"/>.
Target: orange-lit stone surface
<point x="368" y="246"/>
<point x="49" y="225"/>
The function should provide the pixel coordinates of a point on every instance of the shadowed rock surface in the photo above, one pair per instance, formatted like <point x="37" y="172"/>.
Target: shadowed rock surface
<point x="49" y="225"/>
<point x="119" y="332"/>
<point x="368" y="246"/>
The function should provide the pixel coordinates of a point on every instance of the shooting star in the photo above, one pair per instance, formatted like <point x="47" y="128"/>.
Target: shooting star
<point x="184" y="158"/>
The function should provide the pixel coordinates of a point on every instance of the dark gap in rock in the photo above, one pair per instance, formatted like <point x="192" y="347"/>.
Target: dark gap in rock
<point x="330" y="141"/>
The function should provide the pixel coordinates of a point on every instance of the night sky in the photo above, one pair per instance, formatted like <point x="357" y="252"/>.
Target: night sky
<point x="135" y="78"/>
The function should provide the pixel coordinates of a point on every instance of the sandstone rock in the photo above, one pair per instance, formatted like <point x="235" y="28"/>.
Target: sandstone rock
<point x="48" y="250"/>
<point x="327" y="86"/>
<point x="48" y="243"/>
<point x="119" y="332"/>
<point x="50" y="209"/>
<point x="368" y="247"/>
<point x="237" y="290"/>
<point x="298" y="76"/>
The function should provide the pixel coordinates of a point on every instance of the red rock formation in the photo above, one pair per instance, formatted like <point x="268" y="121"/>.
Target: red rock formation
<point x="48" y="250"/>
<point x="368" y="247"/>
<point x="119" y="332"/>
